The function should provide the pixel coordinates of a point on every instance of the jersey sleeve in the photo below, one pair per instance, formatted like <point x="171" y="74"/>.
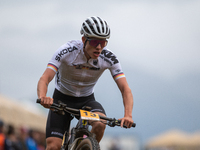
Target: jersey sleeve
<point x="56" y="60"/>
<point x="116" y="71"/>
<point x="112" y="61"/>
<point x="63" y="54"/>
<point x="52" y="66"/>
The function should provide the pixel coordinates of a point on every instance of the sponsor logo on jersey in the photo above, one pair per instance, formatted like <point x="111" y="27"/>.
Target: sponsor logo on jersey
<point x="110" y="56"/>
<point x="105" y="59"/>
<point x="118" y="70"/>
<point x="65" y="51"/>
<point x="95" y="62"/>
<point x="80" y="66"/>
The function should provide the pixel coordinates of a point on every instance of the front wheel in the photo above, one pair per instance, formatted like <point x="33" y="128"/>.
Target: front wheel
<point x="88" y="143"/>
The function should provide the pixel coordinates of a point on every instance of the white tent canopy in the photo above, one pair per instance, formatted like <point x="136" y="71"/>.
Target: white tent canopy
<point x="174" y="138"/>
<point x="13" y="113"/>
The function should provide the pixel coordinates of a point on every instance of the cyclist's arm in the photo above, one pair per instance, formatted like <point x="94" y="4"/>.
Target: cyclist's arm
<point x="127" y="100"/>
<point x="42" y="87"/>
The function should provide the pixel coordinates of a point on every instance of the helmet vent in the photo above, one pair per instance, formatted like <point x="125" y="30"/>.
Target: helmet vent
<point x="97" y="25"/>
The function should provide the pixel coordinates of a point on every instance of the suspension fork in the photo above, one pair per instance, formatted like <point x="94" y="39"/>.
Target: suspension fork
<point x="82" y="124"/>
<point x="65" y="141"/>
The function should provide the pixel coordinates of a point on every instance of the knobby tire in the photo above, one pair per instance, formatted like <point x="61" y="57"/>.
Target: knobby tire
<point x="88" y="143"/>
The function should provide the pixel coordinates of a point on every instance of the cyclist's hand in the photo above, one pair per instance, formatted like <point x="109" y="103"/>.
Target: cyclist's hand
<point x="127" y="121"/>
<point x="46" y="101"/>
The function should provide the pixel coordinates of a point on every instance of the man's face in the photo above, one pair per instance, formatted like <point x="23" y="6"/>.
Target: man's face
<point x="93" y="47"/>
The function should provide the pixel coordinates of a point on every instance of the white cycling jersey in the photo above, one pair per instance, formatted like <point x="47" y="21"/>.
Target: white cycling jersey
<point x="75" y="76"/>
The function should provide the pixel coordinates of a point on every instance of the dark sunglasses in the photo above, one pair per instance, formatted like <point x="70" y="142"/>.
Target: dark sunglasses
<point x="95" y="43"/>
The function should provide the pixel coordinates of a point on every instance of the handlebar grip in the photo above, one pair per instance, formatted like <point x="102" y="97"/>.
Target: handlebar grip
<point x="134" y="124"/>
<point x="38" y="101"/>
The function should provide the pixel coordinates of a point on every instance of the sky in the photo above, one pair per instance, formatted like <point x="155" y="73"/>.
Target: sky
<point x="157" y="43"/>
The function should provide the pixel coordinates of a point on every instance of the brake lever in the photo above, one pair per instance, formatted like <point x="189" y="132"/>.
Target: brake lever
<point x="118" y="123"/>
<point x="60" y="112"/>
<point x="58" y="108"/>
<point x="111" y="124"/>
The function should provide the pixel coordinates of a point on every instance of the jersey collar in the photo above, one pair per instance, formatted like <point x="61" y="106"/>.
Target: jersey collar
<point x="81" y="59"/>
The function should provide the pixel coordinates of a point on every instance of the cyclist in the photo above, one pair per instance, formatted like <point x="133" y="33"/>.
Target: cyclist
<point x="77" y="66"/>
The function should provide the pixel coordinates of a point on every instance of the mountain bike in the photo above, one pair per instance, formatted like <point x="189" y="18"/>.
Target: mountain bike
<point x="79" y="137"/>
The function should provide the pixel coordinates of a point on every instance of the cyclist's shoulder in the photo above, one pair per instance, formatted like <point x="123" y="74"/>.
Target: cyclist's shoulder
<point x="68" y="49"/>
<point x="72" y="45"/>
<point x="107" y="52"/>
<point x="108" y="56"/>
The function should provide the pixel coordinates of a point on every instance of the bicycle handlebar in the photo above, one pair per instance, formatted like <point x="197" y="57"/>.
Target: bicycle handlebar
<point x="61" y="108"/>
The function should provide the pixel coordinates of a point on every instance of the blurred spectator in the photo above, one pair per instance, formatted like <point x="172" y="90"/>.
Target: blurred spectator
<point x="2" y="135"/>
<point x="30" y="142"/>
<point x="25" y="139"/>
<point x="11" y="142"/>
<point x="31" y="139"/>
<point x="23" y="135"/>
<point x="40" y="139"/>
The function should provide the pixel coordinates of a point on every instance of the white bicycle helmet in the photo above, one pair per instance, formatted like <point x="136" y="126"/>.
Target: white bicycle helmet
<point x="95" y="27"/>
